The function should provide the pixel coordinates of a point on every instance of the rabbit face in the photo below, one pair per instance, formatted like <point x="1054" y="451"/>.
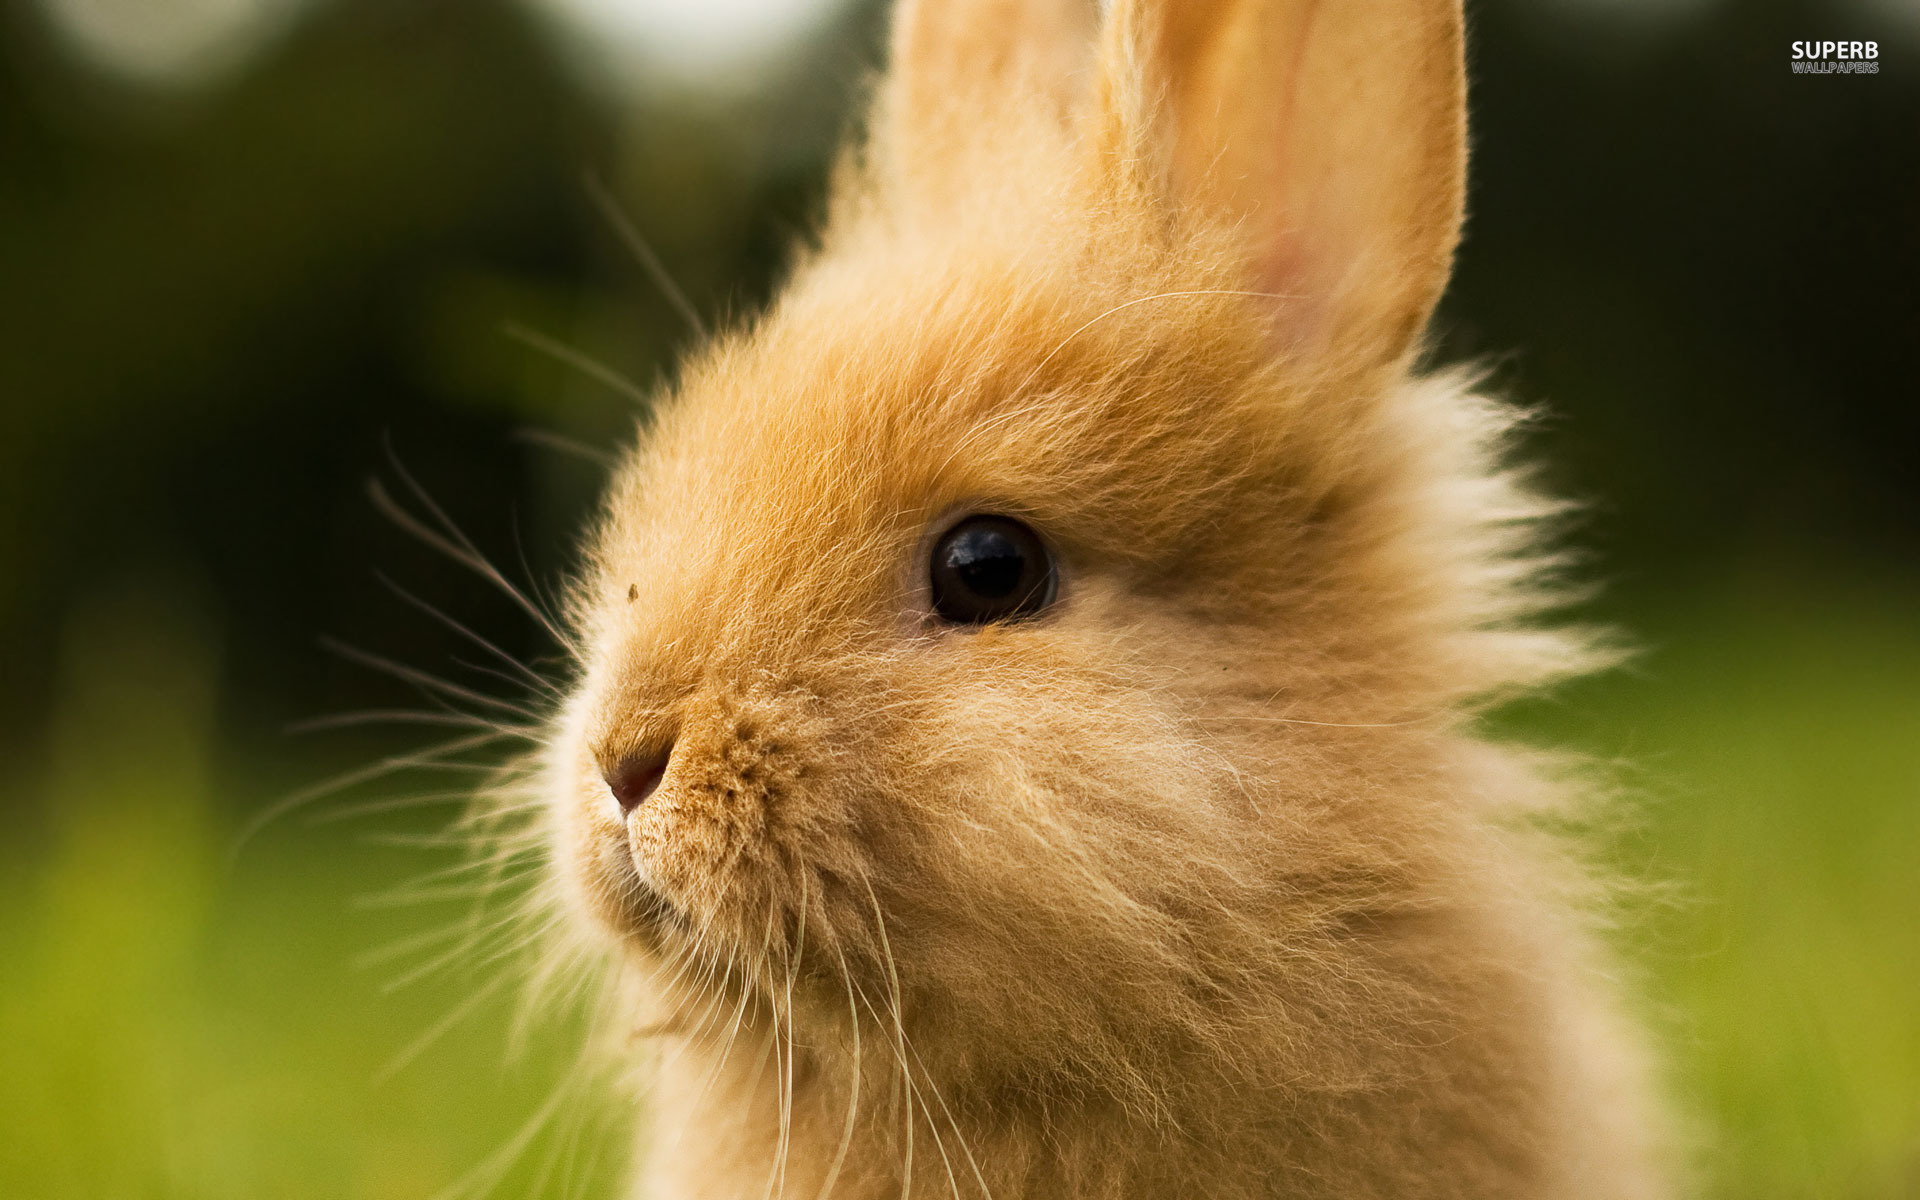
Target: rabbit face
<point x="1035" y="829"/>
<point x="1200" y="794"/>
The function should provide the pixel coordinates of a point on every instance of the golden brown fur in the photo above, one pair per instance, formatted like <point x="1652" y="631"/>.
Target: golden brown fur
<point x="1202" y="883"/>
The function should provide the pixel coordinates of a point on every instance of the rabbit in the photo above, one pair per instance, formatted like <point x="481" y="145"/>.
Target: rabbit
<point x="1025" y="743"/>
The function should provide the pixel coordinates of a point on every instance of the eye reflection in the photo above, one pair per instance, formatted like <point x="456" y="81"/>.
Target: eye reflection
<point x="991" y="568"/>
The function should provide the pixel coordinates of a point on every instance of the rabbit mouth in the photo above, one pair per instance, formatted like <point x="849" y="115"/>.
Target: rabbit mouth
<point x="647" y="913"/>
<point x="654" y="910"/>
<point x="622" y="899"/>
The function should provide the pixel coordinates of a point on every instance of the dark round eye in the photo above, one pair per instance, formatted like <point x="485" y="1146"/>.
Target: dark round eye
<point x="990" y="569"/>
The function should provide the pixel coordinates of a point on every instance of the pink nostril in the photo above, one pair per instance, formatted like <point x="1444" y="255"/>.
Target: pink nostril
<point x="636" y="777"/>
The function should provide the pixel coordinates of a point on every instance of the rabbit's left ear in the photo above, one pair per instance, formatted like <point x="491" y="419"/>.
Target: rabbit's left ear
<point x="965" y="76"/>
<point x="1328" y="137"/>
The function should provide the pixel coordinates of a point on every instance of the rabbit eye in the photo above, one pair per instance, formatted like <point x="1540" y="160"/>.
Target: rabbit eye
<point x="990" y="569"/>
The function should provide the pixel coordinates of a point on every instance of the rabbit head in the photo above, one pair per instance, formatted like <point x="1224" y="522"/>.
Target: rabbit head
<point x="1048" y="631"/>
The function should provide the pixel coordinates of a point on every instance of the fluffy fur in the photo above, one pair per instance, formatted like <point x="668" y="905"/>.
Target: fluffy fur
<point x="1203" y="882"/>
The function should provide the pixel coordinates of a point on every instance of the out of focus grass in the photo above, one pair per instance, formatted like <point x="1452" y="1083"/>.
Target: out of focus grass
<point x="1772" y="736"/>
<point x="179" y="1025"/>
<point x="177" y="1029"/>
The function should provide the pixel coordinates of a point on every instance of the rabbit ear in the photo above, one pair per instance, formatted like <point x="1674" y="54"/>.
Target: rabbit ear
<point x="965" y="75"/>
<point x="1329" y="135"/>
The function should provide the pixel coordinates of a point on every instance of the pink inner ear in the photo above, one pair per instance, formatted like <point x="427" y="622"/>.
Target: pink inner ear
<point x="1279" y="273"/>
<point x="1297" y="283"/>
<point x="1319" y="254"/>
<point x="1286" y="266"/>
<point x="1324" y="140"/>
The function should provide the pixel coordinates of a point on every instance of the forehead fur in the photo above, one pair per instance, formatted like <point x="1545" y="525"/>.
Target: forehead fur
<point x="1132" y="403"/>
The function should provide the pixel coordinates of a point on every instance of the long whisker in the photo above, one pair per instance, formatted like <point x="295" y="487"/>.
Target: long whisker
<point x="853" y="1098"/>
<point x="952" y="1121"/>
<point x="525" y="673"/>
<point x="910" y="1095"/>
<point x="487" y="1175"/>
<point x="1231" y="718"/>
<point x="440" y="1028"/>
<point x="456" y="546"/>
<point x="900" y="1048"/>
<point x="465" y="954"/>
<point x="547" y="603"/>
<point x="793" y="959"/>
<point x="616" y="216"/>
<point x="425" y="679"/>
<point x="348" y="812"/>
<point x="580" y="361"/>
<point x="567" y="445"/>
<point x="401" y="947"/>
<point x="433" y="757"/>
<point x="404" y="716"/>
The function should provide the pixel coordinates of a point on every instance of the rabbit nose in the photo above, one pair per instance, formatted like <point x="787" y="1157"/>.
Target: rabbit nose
<point x="636" y="777"/>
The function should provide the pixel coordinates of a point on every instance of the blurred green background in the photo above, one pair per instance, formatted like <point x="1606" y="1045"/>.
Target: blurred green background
<point x="255" y="253"/>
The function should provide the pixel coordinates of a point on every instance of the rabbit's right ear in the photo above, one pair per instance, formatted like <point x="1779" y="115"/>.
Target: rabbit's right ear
<point x="1325" y="139"/>
<point x="967" y="76"/>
